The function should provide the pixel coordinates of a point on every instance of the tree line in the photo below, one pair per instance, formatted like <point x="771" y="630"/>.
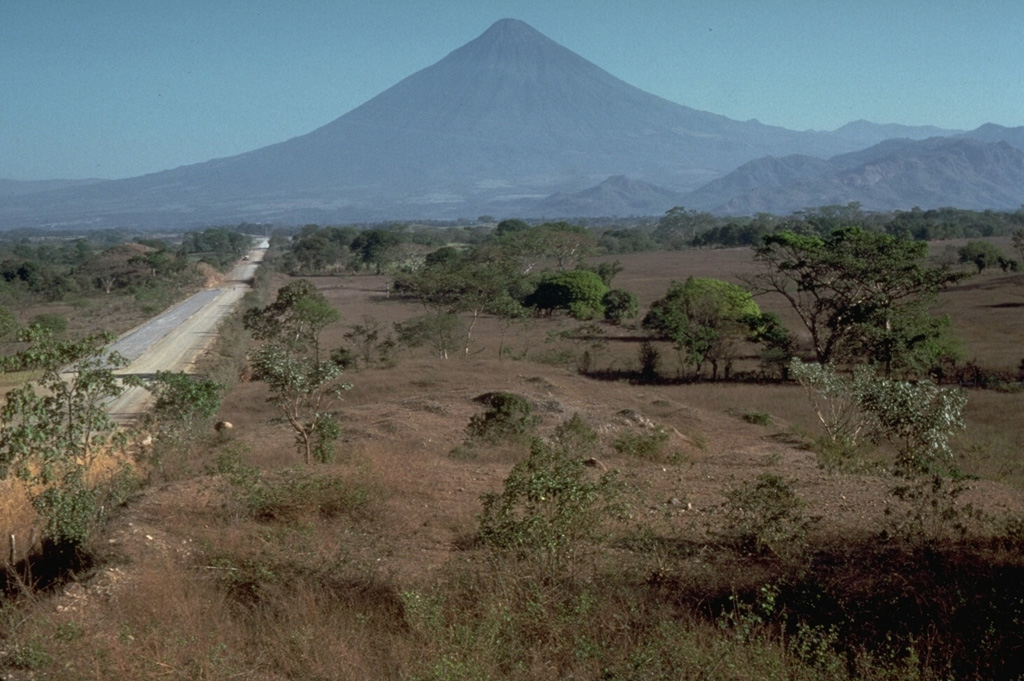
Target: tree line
<point x="379" y="248"/>
<point x="154" y="272"/>
<point x="861" y="295"/>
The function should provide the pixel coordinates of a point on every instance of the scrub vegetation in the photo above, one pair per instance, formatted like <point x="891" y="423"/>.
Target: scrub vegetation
<point x="794" y="456"/>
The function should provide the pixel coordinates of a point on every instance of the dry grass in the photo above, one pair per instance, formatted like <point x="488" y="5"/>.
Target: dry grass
<point x="367" y="568"/>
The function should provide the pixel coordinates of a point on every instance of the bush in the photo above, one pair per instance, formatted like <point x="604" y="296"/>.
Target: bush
<point x="292" y="496"/>
<point x="548" y="506"/>
<point x="620" y="306"/>
<point x="650" y="359"/>
<point x="581" y="292"/>
<point x="183" y="397"/>
<point x="575" y="437"/>
<point x="765" y="515"/>
<point x="298" y="495"/>
<point x="53" y="323"/>
<point x="509" y="419"/>
<point x="646" y="444"/>
<point x="69" y="509"/>
<point x="918" y="419"/>
<point x="928" y="508"/>
<point x="758" y="418"/>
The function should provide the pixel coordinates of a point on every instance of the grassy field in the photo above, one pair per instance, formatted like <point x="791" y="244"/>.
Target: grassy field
<point x="728" y="551"/>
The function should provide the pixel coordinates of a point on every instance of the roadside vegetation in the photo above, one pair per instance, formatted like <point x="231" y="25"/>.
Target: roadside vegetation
<point x="566" y="451"/>
<point x="108" y="281"/>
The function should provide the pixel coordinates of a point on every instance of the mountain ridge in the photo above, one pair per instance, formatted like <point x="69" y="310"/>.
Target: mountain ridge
<point x="497" y="126"/>
<point x="894" y="174"/>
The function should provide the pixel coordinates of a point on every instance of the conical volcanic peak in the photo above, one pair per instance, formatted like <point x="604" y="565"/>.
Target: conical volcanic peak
<point x="510" y="44"/>
<point x="513" y="32"/>
<point x="494" y="127"/>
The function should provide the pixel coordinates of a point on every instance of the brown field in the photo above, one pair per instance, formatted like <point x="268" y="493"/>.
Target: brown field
<point x="381" y="578"/>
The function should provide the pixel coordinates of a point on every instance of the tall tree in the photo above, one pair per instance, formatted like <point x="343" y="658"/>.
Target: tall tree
<point x="704" y="319"/>
<point x="679" y="227"/>
<point x="375" y="247"/>
<point x="848" y="285"/>
<point x="454" y="283"/>
<point x="581" y="292"/>
<point x="303" y="385"/>
<point x="565" y="243"/>
<point x="981" y="254"/>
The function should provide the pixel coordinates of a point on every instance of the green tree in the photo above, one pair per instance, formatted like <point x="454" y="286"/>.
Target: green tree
<point x="777" y="344"/>
<point x="376" y="247"/>
<point x="982" y="254"/>
<point x="1017" y="239"/>
<point x="620" y="306"/>
<point x="565" y="243"/>
<point x="606" y="270"/>
<point x="52" y="428"/>
<point x="294" y="320"/>
<point x="1009" y="265"/>
<point x="454" y="283"/>
<point x="315" y="252"/>
<point x="440" y="330"/>
<point x="848" y="283"/>
<point x="911" y="343"/>
<point x="183" y="397"/>
<point x="509" y="226"/>
<point x="704" y="319"/>
<point x="508" y="310"/>
<point x="9" y="325"/>
<point x="218" y="246"/>
<point x="679" y="226"/>
<point x="367" y="338"/>
<point x="631" y="240"/>
<point x="581" y="292"/>
<point x="304" y="384"/>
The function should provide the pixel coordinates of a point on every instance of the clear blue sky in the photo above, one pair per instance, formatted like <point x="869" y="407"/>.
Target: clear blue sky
<point x="116" y="88"/>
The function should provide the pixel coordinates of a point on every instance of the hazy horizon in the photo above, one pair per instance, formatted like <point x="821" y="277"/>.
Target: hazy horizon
<point x="113" y="89"/>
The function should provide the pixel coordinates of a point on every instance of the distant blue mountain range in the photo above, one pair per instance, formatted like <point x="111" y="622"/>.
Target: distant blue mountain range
<point x="514" y="125"/>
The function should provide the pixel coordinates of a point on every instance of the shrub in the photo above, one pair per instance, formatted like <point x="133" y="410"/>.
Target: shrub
<point x="765" y="515"/>
<point x="548" y="505"/>
<point x="292" y="496"/>
<point x="649" y="358"/>
<point x="299" y="494"/>
<point x="509" y="419"/>
<point x="758" y="418"/>
<point x="927" y="508"/>
<point x="644" y="444"/>
<point x="344" y="358"/>
<point x="183" y="397"/>
<point x="575" y="437"/>
<point x="620" y="306"/>
<point x="918" y="419"/>
<point x="581" y="292"/>
<point x="69" y="509"/>
<point x="52" y="323"/>
<point x="328" y="432"/>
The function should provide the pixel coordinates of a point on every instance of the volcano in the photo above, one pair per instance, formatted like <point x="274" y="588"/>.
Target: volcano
<point x="494" y="128"/>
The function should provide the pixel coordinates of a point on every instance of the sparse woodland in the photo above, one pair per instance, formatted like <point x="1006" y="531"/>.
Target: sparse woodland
<point x="689" y="448"/>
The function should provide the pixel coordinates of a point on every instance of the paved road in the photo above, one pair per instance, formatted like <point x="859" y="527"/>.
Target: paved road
<point x="175" y="339"/>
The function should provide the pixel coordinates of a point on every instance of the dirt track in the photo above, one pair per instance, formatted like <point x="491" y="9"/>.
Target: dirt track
<point x="173" y="340"/>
